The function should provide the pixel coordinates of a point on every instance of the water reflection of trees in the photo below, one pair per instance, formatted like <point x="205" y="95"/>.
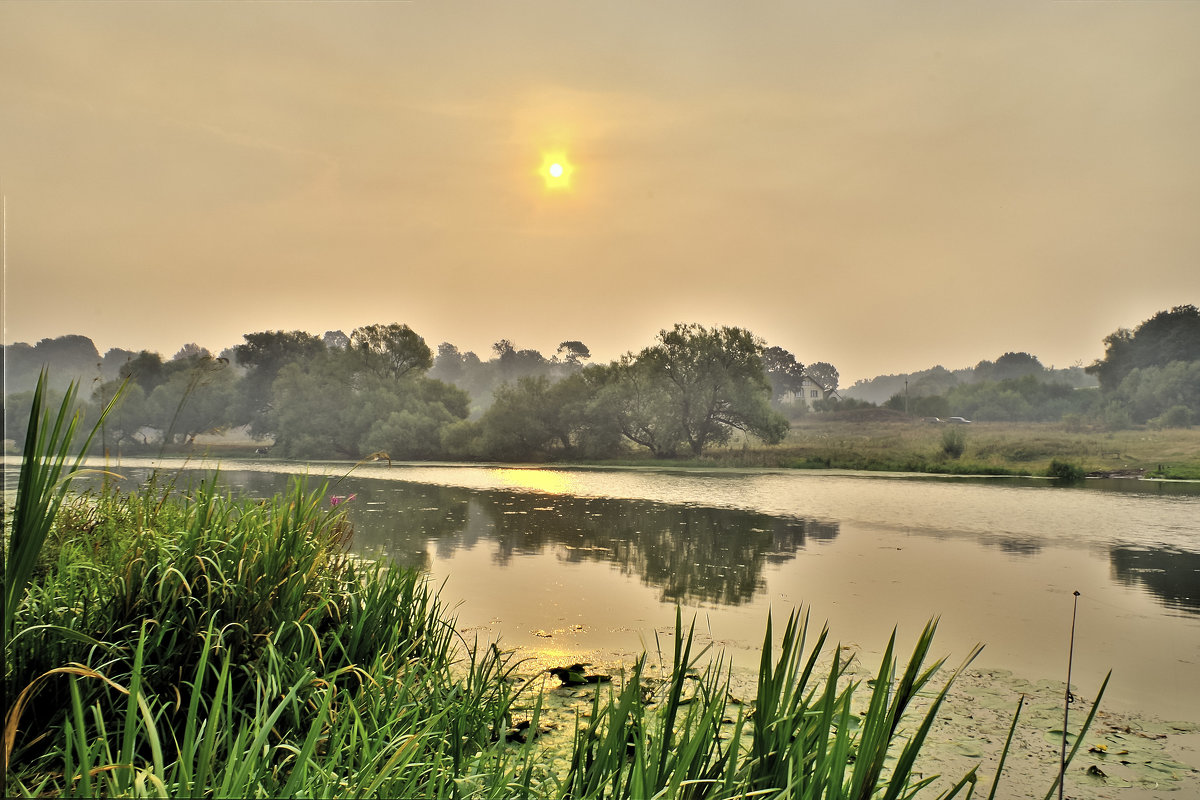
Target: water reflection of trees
<point x="1173" y="576"/>
<point x="692" y="554"/>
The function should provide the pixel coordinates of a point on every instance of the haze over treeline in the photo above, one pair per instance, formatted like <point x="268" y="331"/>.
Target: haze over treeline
<point x="381" y="391"/>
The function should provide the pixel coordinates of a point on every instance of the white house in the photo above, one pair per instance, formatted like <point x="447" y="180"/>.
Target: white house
<point x="809" y="392"/>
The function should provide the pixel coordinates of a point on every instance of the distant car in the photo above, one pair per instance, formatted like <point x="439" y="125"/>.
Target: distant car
<point x="932" y="419"/>
<point x="960" y="420"/>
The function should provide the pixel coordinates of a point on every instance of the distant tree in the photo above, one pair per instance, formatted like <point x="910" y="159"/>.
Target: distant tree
<point x="72" y="352"/>
<point x="409" y="424"/>
<point x="539" y="418"/>
<point x="229" y="356"/>
<point x="519" y="424"/>
<point x="934" y="381"/>
<point x="920" y="406"/>
<point x="197" y="399"/>
<point x="263" y="355"/>
<point x="1017" y="399"/>
<point x="693" y="388"/>
<point x="114" y="359"/>
<point x="447" y="364"/>
<point x="1166" y="337"/>
<point x="191" y="350"/>
<point x="785" y="373"/>
<point x="68" y="358"/>
<point x="635" y="397"/>
<point x="514" y="363"/>
<point x="1016" y="365"/>
<point x="145" y="368"/>
<point x="317" y="413"/>
<point x="573" y="352"/>
<point x="266" y="352"/>
<point x="334" y="406"/>
<point x="127" y="417"/>
<point x="336" y="340"/>
<point x="824" y="375"/>
<point x="393" y="350"/>
<point x="1149" y="392"/>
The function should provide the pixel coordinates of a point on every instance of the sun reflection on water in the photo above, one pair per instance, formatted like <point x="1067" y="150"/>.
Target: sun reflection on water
<point x="538" y="480"/>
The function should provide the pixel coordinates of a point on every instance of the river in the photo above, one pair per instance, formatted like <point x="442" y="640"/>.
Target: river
<point x="590" y="563"/>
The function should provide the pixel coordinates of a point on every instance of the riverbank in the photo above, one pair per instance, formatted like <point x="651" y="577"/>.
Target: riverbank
<point x="893" y="442"/>
<point x="886" y="441"/>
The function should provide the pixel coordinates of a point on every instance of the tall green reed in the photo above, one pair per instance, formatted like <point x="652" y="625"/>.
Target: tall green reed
<point x="45" y="477"/>
<point x="801" y="738"/>
<point x="245" y="652"/>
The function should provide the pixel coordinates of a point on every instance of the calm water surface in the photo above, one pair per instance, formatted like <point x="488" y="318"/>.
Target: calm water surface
<point x="591" y="563"/>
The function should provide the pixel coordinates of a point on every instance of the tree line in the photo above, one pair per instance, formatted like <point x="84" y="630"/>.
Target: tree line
<point x="382" y="390"/>
<point x="1148" y="375"/>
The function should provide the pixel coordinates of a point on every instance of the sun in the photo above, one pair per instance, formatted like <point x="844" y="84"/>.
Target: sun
<point x="556" y="170"/>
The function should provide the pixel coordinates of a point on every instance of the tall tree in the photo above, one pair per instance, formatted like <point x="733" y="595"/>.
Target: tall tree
<point x="573" y="352"/>
<point x="785" y="373"/>
<point x="447" y="364"/>
<point x="265" y="352"/>
<point x="636" y="398"/>
<point x="1013" y="365"/>
<point x="393" y="350"/>
<point x="699" y="384"/>
<point x="146" y="369"/>
<point x="514" y="363"/>
<point x="192" y="400"/>
<point x="191" y="350"/>
<point x="1166" y="337"/>
<point x="263" y="355"/>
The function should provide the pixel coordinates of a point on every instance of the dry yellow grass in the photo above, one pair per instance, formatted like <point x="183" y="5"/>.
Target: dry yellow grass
<point x="885" y="442"/>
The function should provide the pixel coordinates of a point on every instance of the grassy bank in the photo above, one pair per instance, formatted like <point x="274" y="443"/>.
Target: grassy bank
<point x="169" y="643"/>
<point x="903" y="444"/>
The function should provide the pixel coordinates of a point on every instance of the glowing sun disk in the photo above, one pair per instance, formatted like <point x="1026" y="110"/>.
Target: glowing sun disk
<point x="556" y="170"/>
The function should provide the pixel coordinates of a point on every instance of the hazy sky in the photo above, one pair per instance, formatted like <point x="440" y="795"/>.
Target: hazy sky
<point x="885" y="186"/>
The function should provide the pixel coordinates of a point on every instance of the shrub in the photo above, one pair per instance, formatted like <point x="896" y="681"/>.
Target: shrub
<point x="954" y="441"/>
<point x="1174" y="417"/>
<point x="1064" y="471"/>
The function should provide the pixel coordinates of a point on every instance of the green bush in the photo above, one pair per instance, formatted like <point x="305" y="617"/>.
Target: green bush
<point x="954" y="441"/>
<point x="1065" y="471"/>
<point x="1174" y="417"/>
